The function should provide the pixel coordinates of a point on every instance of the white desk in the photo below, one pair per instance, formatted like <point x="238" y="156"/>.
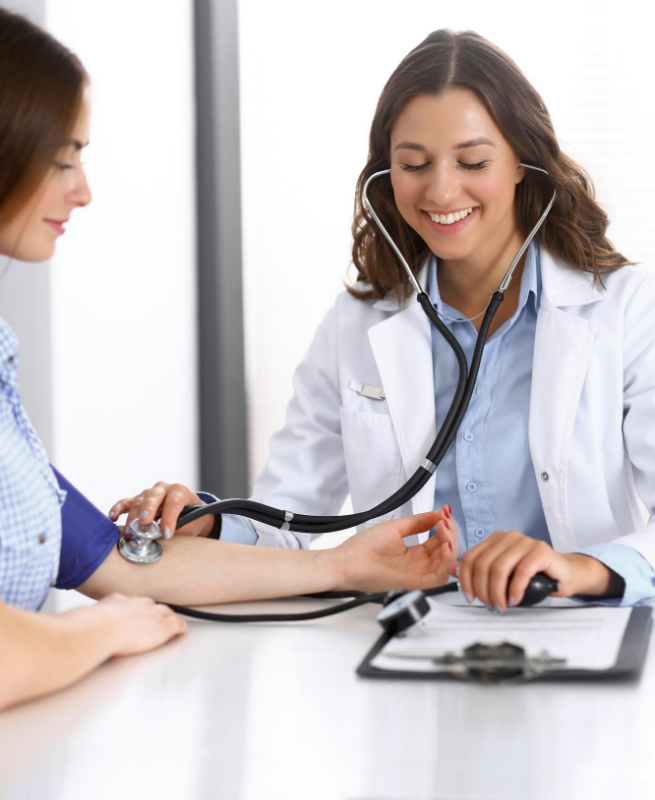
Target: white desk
<point x="276" y="712"/>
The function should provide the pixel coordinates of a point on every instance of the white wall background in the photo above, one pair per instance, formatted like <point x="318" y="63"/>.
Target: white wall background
<point x="311" y="76"/>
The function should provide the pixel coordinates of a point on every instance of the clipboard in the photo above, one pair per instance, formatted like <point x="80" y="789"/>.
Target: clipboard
<point x="628" y="664"/>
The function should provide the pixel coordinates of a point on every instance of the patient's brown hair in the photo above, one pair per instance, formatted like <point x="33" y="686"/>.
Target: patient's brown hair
<point x="41" y="89"/>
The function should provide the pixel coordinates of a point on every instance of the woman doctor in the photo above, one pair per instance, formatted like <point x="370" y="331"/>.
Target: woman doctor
<point x="556" y="452"/>
<point x="49" y="533"/>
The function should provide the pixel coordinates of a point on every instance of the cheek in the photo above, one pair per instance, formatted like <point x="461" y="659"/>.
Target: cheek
<point x="493" y="189"/>
<point x="407" y="192"/>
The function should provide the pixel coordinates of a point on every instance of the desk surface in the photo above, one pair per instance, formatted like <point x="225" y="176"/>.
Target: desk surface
<point x="276" y="712"/>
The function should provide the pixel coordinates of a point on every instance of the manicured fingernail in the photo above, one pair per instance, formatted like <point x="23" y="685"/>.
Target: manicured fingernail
<point x="111" y="514"/>
<point x="143" y="515"/>
<point x="499" y="608"/>
<point x="445" y="522"/>
<point x="511" y="602"/>
<point x="166" y="532"/>
<point x="469" y="597"/>
<point x="450" y="547"/>
<point x="450" y="510"/>
<point x="457" y="571"/>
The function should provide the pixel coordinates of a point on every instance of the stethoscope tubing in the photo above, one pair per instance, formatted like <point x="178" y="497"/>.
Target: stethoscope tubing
<point x="467" y="376"/>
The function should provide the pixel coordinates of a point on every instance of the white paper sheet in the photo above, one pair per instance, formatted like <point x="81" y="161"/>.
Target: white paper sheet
<point x="588" y="638"/>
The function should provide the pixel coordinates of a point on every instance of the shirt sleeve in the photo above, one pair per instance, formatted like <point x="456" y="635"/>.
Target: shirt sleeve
<point x="235" y="529"/>
<point x="87" y="537"/>
<point x="629" y="564"/>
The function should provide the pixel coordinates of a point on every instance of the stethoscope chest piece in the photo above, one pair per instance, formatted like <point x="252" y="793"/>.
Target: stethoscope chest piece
<point x="402" y="613"/>
<point x="139" y="545"/>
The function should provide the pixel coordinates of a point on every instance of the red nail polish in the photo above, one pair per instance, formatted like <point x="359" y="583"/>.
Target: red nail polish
<point x="450" y="511"/>
<point x="450" y="547"/>
<point x="445" y="522"/>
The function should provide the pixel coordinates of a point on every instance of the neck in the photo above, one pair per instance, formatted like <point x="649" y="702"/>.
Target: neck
<point x="468" y="283"/>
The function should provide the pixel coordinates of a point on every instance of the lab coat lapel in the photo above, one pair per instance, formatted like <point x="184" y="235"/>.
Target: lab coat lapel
<point x="562" y="349"/>
<point x="402" y="348"/>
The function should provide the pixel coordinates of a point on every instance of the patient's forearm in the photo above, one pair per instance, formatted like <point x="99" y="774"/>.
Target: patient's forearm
<point x="39" y="653"/>
<point x="197" y="571"/>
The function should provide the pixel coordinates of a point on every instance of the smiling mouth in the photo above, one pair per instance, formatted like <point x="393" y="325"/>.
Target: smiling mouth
<point x="450" y="219"/>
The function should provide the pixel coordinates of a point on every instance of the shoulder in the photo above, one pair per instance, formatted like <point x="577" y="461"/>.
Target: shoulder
<point x="566" y="285"/>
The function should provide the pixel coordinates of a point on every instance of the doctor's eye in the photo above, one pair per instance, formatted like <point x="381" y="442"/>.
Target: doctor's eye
<point x="412" y="167"/>
<point x="60" y="165"/>
<point x="479" y="165"/>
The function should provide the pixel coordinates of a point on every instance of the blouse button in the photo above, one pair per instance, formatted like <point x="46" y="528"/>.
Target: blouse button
<point x="468" y="437"/>
<point x="42" y="538"/>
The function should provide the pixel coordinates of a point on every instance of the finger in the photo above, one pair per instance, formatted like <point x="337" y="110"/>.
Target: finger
<point x="537" y="560"/>
<point x="163" y="610"/>
<point x="501" y="571"/>
<point x="120" y="508"/>
<point x="177" y="497"/>
<point x="134" y="510"/>
<point x="467" y="565"/>
<point x="434" y="542"/>
<point x="447" y="532"/>
<point x="152" y="501"/>
<point x="484" y="563"/>
<point x="417" y="523"/>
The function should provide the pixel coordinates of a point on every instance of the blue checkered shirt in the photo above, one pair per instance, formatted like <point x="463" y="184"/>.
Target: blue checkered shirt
<point x="30" y="497"/>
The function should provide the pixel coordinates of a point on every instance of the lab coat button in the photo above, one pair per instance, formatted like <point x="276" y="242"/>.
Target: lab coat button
<point x="471" y="487"/>
<point x="544" y="476"/>
<point x="468" y="437"/>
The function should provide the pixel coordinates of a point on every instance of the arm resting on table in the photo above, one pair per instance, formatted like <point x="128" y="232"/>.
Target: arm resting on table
<point x="40" y="654"/>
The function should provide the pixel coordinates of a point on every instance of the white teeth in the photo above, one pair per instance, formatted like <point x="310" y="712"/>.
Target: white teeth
<point x="450" y="218"/>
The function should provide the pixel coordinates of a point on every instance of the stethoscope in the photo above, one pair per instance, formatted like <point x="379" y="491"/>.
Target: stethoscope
<point x="141" y="545"/>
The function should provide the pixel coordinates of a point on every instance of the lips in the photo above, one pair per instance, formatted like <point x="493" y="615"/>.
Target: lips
<point x="57" y="225"/>
<point x="455" y="227"/>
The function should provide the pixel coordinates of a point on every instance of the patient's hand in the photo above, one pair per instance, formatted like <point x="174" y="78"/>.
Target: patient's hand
<point x="166" y="500"/>
<point x="377" y="559"/>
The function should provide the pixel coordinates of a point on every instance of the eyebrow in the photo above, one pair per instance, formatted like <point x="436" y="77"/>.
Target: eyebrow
<point x="460" y="146"/>
<point x="76" y="144"/>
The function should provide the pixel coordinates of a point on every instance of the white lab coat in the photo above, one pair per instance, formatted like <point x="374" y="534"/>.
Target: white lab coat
<point x="591" y="419"/>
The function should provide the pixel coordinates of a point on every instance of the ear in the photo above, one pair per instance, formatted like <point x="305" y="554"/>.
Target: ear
<point x="520" y="173"/>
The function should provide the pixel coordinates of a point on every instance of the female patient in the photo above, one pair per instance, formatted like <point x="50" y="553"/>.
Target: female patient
<point x="49" y="533"/>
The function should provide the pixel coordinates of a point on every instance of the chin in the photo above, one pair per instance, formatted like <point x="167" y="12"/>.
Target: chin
<point x="36" y="252"/>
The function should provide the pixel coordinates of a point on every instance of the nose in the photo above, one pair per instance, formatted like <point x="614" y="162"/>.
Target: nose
<point x="81" y="192"/>
<point x="443" y="186"/>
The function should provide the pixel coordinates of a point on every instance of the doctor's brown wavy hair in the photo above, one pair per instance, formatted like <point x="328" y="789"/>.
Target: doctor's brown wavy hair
<point x="575" y="227"/>
<point x="41" y="89"/>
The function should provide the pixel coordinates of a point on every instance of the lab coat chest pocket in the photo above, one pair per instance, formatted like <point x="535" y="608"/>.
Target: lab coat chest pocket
<point x="372" y="458"/>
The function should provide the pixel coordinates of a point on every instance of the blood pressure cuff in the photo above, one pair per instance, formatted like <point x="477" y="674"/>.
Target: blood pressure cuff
<point x="87" y="537"/>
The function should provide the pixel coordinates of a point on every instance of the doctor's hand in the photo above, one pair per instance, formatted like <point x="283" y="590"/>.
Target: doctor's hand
<point x="486" y="569"/>
<point x="165" y="500"/>
<point x="377" y="559"/>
